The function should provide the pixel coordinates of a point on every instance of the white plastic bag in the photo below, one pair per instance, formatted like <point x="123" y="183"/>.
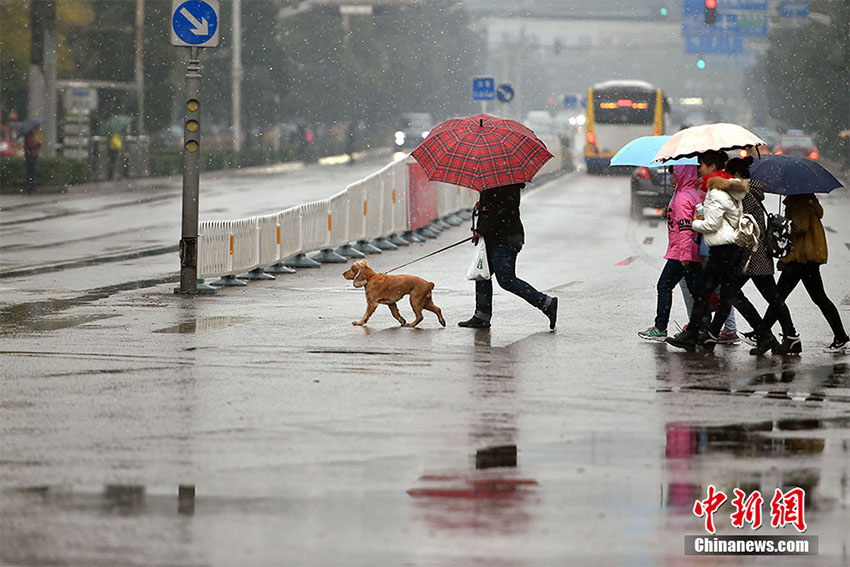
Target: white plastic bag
<point x="479" y="269"/>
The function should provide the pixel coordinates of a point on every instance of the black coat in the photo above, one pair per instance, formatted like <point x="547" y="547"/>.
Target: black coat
<point x="498" y="215"/>
<point x="760" y="263"/>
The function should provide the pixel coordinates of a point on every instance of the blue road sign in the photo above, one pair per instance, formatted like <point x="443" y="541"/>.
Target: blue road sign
<point x="194" y="23"/>
<point x="483" y="88"/>
<point x="794" y="9"/>
<point x="505" y="93"/>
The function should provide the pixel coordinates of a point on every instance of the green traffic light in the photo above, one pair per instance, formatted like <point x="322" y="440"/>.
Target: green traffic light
<point x="701" y="64"/>
<point x="663" y="11"/>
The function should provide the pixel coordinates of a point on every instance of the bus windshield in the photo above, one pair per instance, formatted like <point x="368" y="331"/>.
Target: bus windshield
<point x="624" y="105"/>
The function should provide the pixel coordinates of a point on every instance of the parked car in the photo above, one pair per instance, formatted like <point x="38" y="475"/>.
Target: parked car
<point x="412" y="129"/>
<point x="8" y="145"/>
<point x="651" y="188"/>
<point x="768" y="135"/>
<point x="796" y="143"/>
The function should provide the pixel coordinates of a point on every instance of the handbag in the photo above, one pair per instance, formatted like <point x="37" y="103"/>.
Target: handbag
<point x="747" y="232"/>
<point x="479" y="269"/>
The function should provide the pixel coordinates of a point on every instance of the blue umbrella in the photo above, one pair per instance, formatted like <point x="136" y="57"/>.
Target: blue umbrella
<point x="641" y="151"/>
<point x="792" y="175"/>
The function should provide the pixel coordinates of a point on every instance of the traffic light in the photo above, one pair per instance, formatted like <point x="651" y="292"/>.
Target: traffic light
<point x="700" y="63"/>
<point x="192" y="133"/>
<point x="710" y="12"/>
<point x="663" y="11"/>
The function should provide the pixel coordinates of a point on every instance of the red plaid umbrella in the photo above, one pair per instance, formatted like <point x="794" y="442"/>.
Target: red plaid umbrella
<point x="480" y="152"/>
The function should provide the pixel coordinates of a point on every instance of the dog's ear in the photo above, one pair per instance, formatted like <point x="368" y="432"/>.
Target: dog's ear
<point x="359" y="278"/>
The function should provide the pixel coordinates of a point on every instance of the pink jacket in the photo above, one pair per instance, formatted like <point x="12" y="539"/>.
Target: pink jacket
<point x="682" y="242"/>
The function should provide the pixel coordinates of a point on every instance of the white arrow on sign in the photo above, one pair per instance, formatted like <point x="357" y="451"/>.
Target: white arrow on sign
<point x="201" y="28"/>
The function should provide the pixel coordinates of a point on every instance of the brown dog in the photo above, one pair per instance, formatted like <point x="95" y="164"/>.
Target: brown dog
<point x="386" y="289"/>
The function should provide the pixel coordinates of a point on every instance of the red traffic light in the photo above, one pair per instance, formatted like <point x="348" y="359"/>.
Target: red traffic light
<point x="711" y="4"/>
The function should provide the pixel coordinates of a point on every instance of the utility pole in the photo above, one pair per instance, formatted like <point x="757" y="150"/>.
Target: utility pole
<point x="140" y="74"/>
<point x="236" y="77"/>
<point x="42" y="76"/>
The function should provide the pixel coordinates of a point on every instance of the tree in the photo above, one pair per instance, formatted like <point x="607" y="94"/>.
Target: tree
<point x="806" y="72"/>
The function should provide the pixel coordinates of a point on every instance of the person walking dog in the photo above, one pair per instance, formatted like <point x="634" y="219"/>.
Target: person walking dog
<point x="500" y="225"/>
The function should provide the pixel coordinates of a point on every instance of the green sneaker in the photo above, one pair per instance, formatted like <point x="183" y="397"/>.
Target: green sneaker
<point x="653" y="334"/>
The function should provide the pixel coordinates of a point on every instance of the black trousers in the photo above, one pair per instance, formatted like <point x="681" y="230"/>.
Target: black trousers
<point x="768" y="289"/>
<point x="809" y="273"/>
<point x="721" y="269"/>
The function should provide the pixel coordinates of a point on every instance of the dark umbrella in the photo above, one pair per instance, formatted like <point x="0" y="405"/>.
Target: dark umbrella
<point x="113" y="124"/>
<point x="480" y="152"/>
<point x="792" y="175"/>
<point x="25" y="127"/>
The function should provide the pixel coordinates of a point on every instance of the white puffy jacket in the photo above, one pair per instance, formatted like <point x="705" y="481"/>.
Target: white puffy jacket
<point x="722" y="210"/>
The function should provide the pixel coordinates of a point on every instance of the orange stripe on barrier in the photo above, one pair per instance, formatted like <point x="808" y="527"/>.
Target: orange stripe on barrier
<point x="364" y="206"/>
<point x="393" y="196"/>
<point x="231" y="244"/>
<point x="278" y="234"/>
<point x="330" y="223"/>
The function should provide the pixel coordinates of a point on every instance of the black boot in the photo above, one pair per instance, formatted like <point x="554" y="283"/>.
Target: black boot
<point x="475" y="323"/>
<point x="706" y="340"/>
<point x="687" y="339"/>
<point x="790" y="345"/>
<point x="765" y="343"/>
<point x="552" y="312"/>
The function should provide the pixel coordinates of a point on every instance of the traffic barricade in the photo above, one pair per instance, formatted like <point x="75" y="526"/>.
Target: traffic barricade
<point x="337" y="229"/>
<point x="314" y="233"/>
<point x="214" y="249"/>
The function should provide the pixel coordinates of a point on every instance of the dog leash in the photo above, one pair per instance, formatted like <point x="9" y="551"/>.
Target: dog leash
<point x="431" y="254"/>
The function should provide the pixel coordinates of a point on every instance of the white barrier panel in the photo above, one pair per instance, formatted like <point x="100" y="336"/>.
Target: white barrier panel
<point x="356" y="211"/>
<point x="445" y="199"/>
<point x="395" y="196"/>
<point x="290" y="232"/>
<point x="214" y="246"/>
<point x="338" y="219"/>
<point x="468" y="197"/>
<point x="269" y="235"/>
<point x="372" y="205"/>
<point x="314" y="226"/>
<point x="246" y="249"/>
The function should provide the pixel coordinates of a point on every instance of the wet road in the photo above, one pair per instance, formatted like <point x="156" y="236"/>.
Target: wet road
<point x="259" y="427"/>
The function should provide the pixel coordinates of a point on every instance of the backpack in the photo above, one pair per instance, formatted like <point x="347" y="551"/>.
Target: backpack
<point x="777" y="239"/>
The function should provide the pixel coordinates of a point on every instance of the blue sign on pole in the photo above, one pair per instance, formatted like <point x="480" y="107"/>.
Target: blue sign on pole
<point x="505" y="93"/>
<point x="794" y="9"/>
<point x="194" y="23"/>
<point x="483" y="88"/>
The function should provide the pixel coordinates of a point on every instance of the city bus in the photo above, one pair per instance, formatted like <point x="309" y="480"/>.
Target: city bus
<point x="617" y="112"/>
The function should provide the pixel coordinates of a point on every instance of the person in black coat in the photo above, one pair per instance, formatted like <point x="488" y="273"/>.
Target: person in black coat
<point x="499" y="224"/>
<point x="758" y="267"/>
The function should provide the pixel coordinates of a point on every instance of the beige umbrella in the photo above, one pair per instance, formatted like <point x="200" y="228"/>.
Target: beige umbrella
<point x="693" y="141"/>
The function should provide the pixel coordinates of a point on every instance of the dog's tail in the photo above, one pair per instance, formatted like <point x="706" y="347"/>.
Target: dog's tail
<point x="430" y="288"/>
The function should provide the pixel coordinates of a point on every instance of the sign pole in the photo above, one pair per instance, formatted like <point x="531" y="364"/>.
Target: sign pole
<point x="191" y="175"/>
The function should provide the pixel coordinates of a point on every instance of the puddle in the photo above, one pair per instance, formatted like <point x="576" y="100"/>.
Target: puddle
<point x="204" y="325"/>
<point x="114" y="499"/>
<point x="759" y="439"/>
<point x="43" y="315"/>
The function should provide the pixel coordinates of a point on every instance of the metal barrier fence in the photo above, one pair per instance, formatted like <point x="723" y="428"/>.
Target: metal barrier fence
<point x="371" y="208"/>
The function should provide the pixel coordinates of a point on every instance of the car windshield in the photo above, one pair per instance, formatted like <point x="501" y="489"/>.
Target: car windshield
<point x="415" y="122"/>
<point x="797" y="141"/>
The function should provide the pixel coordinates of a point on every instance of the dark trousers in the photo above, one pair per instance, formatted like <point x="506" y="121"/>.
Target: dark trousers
<point x="30" y="185"/>
<point x="720" y="269"/>
<point x="768" y="289"/>
<point x="808" y="273"/>
<point x="113" y="159"/>
<point x="671" y="275"/>
<point x="502" y="260"/>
